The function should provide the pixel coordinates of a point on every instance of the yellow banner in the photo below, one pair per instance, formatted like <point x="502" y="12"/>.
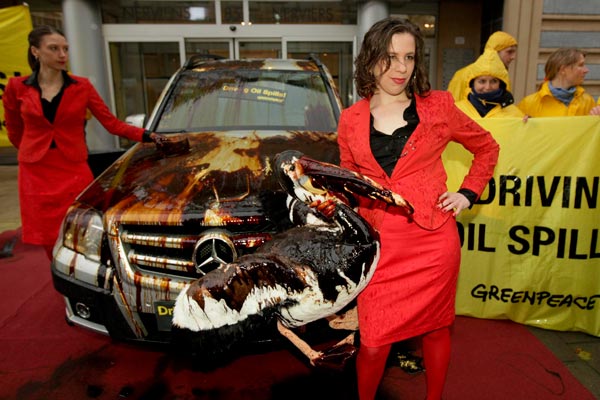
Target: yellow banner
<point x="531" y="246"/>
<point x="15" y="25"/>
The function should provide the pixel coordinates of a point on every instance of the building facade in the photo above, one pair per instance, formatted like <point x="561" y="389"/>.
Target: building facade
<point x="130" y="48"/>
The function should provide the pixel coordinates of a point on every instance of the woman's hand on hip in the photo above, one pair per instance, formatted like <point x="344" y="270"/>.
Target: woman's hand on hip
<point x="453" y="202"/>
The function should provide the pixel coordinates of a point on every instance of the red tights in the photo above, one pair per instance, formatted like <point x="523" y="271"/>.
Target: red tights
<point x="371" y="361"/>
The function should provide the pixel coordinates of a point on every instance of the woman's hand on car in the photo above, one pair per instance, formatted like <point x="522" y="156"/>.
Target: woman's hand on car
<point x="158" y="138"/>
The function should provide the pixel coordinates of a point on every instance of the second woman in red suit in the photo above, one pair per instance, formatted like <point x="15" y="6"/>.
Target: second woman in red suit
<point x="45" y="115"/>
<point x="396" y="135"/>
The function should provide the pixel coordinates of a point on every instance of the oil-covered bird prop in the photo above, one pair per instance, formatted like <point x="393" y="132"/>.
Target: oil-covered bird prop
<point x="304" y="274"/>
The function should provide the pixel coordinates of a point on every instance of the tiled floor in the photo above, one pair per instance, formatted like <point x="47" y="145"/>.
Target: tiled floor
<point x="580" y="352"/>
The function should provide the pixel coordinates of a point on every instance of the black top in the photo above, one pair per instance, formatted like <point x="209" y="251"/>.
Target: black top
<point x="50" y="107"/>
<point x="387" y="149"/>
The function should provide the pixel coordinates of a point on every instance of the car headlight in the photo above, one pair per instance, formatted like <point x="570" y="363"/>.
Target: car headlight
<point x="82" y="231"/>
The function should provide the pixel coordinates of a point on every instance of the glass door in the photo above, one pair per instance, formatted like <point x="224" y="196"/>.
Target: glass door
<point x="234" y="48"/>
<point x="139" y="71"/>
<point x="221" y="48"/>
<point x="336" y="56"/>
<point x="263" y="48"/>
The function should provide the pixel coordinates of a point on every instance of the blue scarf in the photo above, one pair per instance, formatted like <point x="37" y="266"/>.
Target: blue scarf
<point x="485" y="102"/>
<point x="563" y="95"/>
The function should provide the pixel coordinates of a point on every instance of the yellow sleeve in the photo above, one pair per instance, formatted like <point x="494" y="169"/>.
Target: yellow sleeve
<point x="525" y="104"/>
<point x="458" y="86"/>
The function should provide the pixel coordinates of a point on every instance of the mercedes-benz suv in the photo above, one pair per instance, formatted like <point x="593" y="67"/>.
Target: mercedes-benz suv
<point x="163" y="215"/>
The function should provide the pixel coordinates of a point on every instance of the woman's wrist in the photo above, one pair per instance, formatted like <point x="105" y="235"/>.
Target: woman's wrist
<point x="470" y="195"/>
<point x="146" y="136"/>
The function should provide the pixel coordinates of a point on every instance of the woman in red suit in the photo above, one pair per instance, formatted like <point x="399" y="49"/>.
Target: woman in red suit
<point x="396" y="135"/>
<point x="45" y="115"/>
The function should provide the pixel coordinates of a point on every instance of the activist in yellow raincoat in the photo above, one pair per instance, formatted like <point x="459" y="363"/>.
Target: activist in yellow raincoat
<point x="488" y="96"/>
<point x="561" y="94"/>
<point x="499" y="41"/>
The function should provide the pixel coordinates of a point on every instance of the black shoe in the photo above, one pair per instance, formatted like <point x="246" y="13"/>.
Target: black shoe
<point x="408" y="362"/>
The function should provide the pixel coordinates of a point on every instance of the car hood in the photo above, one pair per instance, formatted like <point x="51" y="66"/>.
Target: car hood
<point x="207" y="178"/>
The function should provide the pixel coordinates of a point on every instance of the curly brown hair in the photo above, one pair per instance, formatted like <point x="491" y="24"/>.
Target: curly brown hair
<point x="374" y="49"/>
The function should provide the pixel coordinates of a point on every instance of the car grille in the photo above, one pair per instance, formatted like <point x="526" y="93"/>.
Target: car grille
<point x="165" y="250"/>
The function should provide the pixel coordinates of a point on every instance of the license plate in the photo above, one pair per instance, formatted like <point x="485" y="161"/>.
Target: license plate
<point x="164" y="314"/>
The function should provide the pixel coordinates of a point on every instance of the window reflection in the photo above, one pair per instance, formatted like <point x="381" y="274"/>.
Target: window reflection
<point x="248" y="99"/>
<point x="165" y="12"/>
<point x="303" y="12"/>
<point x="232" y="12"/>
<point x="342" y="12"/>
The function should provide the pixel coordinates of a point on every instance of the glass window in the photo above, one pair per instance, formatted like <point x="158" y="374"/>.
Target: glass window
<point x="162" y="12"/>
<point x="303" y="12"/>
<point x="232" y="12"/>
<point x="337" y="57"/>
<point x="261" y="49"/>
<point x="208" y="48"/>
<point x="426" y="23"/>
<point x="248" y="99"/>
<point x="43" y="12"/>
<point x="140" y="72"/>
<point x="52" y="18"/>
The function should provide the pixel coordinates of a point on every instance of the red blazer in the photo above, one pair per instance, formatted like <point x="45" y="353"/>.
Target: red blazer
<point x="31" y="133"/>
<point x="419" y="175"/>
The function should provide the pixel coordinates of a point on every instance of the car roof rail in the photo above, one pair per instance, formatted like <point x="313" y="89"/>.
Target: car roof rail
<point x="196" y="59"/>
<point x="316" y="59"/>
<point x="321" y="66"/>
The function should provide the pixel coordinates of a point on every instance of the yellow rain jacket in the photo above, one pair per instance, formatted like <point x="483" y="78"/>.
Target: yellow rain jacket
<point x="543" y="104"/>
<point x="459" y="86"/>
<point x="489" y="63"/>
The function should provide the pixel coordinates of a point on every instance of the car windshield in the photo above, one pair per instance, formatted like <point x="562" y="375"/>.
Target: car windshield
<point x="248" y="99"/>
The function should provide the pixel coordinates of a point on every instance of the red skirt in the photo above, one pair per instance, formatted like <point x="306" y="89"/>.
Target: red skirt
<point x="413" y="289"/>
<point x="46" y="190"/>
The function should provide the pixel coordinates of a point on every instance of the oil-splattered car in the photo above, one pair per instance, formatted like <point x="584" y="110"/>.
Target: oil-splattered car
<point x="162" y="216"/>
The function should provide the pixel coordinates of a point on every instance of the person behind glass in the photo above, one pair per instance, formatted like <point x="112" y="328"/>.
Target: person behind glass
<point x="500" y="42"/>
<point x="45" y="115"/>
<point x="489" y="96"/>
<point x="561" y="93"/>
<point x="396" y="135"/>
